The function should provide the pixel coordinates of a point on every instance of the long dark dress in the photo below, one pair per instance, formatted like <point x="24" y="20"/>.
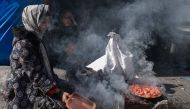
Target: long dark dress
<point x="29" y="82"/>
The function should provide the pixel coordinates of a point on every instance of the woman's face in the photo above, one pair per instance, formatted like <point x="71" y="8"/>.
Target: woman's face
<point x="68" y="19"/>
<point x="44" y="24"/>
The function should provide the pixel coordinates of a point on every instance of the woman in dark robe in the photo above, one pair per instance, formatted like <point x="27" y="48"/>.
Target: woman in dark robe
<point x="62" y="47"/>
<point x="32" y="82"/>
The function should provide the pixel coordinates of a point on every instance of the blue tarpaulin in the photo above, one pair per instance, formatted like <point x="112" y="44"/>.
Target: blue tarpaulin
<point x="10" y="15"/>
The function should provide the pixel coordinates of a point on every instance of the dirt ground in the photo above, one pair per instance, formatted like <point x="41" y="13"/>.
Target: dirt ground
<point x="177" y="91"/>
<point x="177" y="88"/>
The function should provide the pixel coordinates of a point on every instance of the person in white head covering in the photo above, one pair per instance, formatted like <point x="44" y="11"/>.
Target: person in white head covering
<point x="32" y="79"/>
<point x="35" y="18"/>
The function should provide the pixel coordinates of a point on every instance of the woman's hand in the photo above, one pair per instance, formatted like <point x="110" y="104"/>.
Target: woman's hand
<point x="65" y="97"/>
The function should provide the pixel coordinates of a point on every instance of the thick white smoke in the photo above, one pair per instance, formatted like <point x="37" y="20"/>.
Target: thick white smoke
<point x="136" y="22"/>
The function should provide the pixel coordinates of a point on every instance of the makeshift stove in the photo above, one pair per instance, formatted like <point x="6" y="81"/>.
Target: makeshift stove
<point x="146" y="104"/>
<point x="140" y="95"/>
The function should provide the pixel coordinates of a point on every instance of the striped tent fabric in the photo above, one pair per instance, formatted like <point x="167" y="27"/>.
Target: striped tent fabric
<point x="10" y="15"/>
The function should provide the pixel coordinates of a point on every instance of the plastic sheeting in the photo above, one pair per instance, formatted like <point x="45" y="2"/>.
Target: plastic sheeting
<point x="10" y="15"/>
<point x="116" y="59"/>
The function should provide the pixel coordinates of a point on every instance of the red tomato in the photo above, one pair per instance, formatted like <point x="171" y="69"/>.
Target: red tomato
<point x="145" y="91"/>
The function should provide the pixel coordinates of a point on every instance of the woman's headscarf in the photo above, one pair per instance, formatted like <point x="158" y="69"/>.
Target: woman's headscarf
<point x="32" y="15"/>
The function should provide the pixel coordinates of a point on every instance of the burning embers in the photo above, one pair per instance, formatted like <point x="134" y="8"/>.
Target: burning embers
<point x="145" y="91"/>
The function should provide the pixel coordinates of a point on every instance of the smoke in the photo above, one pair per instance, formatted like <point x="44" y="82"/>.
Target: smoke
<point x="136" y="22"/>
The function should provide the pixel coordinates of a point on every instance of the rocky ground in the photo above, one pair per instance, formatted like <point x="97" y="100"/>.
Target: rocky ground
<point x="177" y="89"/>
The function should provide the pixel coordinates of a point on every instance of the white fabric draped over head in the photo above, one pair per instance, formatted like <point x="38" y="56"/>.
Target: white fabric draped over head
<point x="32" y="15"/>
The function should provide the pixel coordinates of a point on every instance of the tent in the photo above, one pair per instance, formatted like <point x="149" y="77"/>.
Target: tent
<point x="10" y="15"/>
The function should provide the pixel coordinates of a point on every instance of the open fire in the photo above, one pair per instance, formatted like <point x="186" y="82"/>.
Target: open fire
<point x="139" y="93"/>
